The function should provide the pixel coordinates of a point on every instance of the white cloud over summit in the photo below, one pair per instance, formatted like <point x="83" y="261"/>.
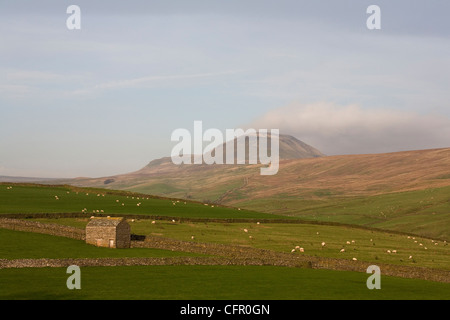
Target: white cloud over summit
<point x="351" y="129"/>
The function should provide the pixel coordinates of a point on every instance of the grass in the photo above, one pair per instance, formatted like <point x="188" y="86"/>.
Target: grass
<point x="283" y="237"/>
<point x="425" y="212"/>
<point x="210" y="283"/>
<point x="41" y="199"/>
<point x="28" y="245"/>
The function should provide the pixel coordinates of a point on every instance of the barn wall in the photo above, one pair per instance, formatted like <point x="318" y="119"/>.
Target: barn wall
<point x="123" y="237"/>
<point x="104" y="234"/>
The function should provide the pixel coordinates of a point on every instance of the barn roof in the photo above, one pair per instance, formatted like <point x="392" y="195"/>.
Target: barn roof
<point x="104" y="222"/>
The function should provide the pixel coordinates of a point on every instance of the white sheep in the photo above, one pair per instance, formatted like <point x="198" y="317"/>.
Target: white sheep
<point x="342" y="250"/>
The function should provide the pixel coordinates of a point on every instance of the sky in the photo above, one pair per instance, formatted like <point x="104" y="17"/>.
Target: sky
<point x="105" y="99"/>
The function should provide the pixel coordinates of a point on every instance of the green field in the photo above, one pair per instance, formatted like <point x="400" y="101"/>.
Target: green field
<point x="210" y="283"/>
<point x="65" y="199"/>
<point x="424" y="212"/>
<point x="28" y="245"/>
<point x="371" y="246"/>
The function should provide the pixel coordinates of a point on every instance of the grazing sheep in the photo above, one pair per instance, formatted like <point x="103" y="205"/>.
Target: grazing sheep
<point x="302" y="250"/>
<point x="394" y="251"/>
<point x="293" y="250"/>
<point x="348" y="242"/>
<point x="410" y="257"/>
<point x="323" y="244"/>
<point x="192" y="237"/>
<point x="245" y="230"/>
<point x="297" y="247"/>
<point x="389" y="251"/>
<point x="354" y="259"/>
<point x="153" y="222"/>
<point x="258" y="222"/>
<point x="342" y="250"/>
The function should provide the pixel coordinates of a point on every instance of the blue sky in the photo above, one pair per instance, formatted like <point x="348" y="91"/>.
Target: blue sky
<point x="104" y="99"/>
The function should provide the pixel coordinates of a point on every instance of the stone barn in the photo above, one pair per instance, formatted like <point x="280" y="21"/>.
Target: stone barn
<point x="108" y="232"/>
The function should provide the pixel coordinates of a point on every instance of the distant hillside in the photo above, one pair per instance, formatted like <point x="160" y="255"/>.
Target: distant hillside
<point x="24" y="179"/>
<point x="405" y="191"/>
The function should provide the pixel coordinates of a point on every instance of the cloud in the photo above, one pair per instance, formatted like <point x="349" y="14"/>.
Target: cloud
<point x="146" y="81"/>
<point x="351" y="129"/>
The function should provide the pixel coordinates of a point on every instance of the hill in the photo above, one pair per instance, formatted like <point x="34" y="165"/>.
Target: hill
<point x="372" y="189"/>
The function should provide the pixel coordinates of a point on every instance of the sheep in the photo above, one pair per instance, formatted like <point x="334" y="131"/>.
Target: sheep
<point x="297" y="247"/>
<point x="245" y="230"/>
<point x="192" y="237"/>
<point x="410" y="257"/>
<point x="323" y="244"/>
<point x="348" y="242"/>
<point x="293" y="250"/>
<point x="389" y="251"/>
<point x="342" y="250"/>
<point x="153" y="222"/>
<point x="354" y="259"/>
<point x="394" y="251"/>
<point x="258" y="222"/>
<point x="302" y="250"/>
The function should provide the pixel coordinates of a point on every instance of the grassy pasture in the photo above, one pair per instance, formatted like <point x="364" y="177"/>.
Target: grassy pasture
<point x="210" y="283"/>
<point x="370" y="246"/>
<point x="62" y="199"/>
<point x="28" y="245"/>
<point x="425" y="212"/>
